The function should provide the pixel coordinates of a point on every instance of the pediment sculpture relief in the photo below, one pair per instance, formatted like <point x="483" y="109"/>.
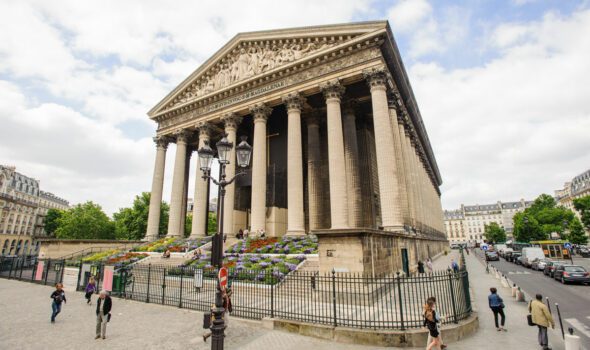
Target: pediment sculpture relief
<point x="249" y="60"/>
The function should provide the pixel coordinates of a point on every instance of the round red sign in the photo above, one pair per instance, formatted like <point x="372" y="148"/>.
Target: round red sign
<point x="222" y="277"/>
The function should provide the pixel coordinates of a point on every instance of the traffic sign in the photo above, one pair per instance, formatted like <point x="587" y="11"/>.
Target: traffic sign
<point x="567" y="245"/>
<point x="222" y="277"/>
<point x="484" y="247"/>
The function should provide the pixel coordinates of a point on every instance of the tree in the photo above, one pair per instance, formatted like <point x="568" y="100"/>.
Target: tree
<point x="52" y="220"/>
<point x="527" y="230"/>
<point x="494" y="233"/>
<point x="131" y="223"/>
<point x="211" y="223"/>
<point x="188" y="225"/>
<point x="545" y="217"/>
<point x="577" y="234"/>
<point x="85" y="221"/>
<point x="582" y="205"/>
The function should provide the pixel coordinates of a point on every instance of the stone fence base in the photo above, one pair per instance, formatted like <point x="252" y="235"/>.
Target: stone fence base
<point x="386" y="338"/>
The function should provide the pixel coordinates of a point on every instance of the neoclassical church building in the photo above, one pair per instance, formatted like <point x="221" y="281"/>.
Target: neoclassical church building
<point x="339" y="147"/>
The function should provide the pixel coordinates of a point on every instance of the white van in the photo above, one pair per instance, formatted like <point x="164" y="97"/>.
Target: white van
<point x="531" y="253"/>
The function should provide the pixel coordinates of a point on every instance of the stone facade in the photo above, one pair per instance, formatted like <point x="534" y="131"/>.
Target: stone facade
<point x="578" y="187"/>
<point x="23" y="207"/>
<point x="338" y="142"/>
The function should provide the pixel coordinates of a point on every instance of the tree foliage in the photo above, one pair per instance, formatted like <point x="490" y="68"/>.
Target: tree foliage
<point x="211" y="223"/>
<point x="52" y="220"/>
<point x="544" y="217"/>
<point x="576" y="233"/>
<point x="131" y="223"/>
<point x="85" y="221"/>
<point x="494" y="233"/>
<point x="582" y="205"/>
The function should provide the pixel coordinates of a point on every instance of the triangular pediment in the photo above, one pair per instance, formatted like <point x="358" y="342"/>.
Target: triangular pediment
<point x="253" y="54"/>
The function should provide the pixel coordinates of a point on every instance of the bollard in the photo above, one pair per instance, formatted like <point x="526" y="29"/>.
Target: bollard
<point x="572" y="342"/>
<point x="514" y="290"/>
<point x="497" y="275"/>
<point x="504" y="282"/>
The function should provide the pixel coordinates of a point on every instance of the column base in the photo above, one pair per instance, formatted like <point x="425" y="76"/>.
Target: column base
<point x="296" y="233"/>
<point x="196" y="236"/>
<point x="149" y="238"/>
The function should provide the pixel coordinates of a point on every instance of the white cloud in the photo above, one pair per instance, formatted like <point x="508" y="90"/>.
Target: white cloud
<point x="518" y="125"/>
<point x="407" y="15"/>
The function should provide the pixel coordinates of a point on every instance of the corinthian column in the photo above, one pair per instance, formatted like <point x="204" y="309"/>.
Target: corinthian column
<point x="175" y="220"/>
<point x="389" y="189"/>
<point x="338" y="197"/>
<point x="314" y="180"/>
<point x="153" y="224"/>
<point x="295" y="214"/>
<point x="260" y="112"/>
<point x="231" y="121"/>
<point x="200" y="202"/>
<point x="399" y="160"/>
<point x="353" y="183"/>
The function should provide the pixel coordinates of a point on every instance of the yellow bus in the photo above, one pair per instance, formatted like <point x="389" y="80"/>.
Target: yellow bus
<point x="553" y="248"/>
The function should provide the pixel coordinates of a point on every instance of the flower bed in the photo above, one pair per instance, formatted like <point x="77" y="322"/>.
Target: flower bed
<point x="268" y="269"/>
<point x="274" y="245"/>
<point x="115" y="257"/>
<point x="175" y="245"/>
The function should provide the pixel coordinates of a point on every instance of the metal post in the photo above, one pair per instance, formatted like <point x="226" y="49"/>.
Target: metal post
<point x="272" y="294"/>
<point x="147" y="298"/>
<point x="399" y="293"/>
<point x="181" y="278"/>
<point x="571" y="256"/>
<point x="79" y="277"/>
<point x="452" y="295"/>
<point x="10" y="271"/>
<point x="548" y="305"/>
<point x="218" y="326"/>
<point x="334" y="296"/>
<point x="560" y="322"/>
<point x="47" y="268"/>
<point x="163" y="285"/>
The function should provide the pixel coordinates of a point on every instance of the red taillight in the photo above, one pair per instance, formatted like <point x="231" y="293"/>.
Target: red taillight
<point x="566" y="274"/>
<point x="586" y="274"/>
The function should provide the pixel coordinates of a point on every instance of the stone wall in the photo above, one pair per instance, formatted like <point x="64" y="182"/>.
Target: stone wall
<point x="56" y="248"/>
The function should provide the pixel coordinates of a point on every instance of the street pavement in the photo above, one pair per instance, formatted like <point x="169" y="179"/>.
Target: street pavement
<point x="573" y="300"/>
<point x="135" y="325"/>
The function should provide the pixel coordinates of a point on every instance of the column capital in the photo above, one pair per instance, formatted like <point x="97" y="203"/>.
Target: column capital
<point x="332" y="89"/>
<point x="182" y="135"/>
<point x="312" y="118"/>
<point x="260" y="111"/>
<point x="376" y="77"/>
<point x="349" y="106"/>
<point x="293" y="101"/>
<point x="204" y="129"/>
<point x="231" y="120"/>
<point x="161" y="141"/>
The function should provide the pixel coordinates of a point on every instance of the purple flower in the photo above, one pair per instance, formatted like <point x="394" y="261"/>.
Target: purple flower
<point x="264" y="265"/>
<point x="300" y="257"/>
<point x="254" y="259"/>
<point x="278" y="274"/>
<point x="260" y="276"/>
<point x="276" y="260"/>
<point x="308" y="251"/>
<point x="231" y="258"/>
<point x="291" y="267"/>
<point x="239" y="267"/>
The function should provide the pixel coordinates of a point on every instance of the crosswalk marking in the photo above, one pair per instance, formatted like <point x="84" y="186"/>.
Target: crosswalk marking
<point x="579" y="326"/>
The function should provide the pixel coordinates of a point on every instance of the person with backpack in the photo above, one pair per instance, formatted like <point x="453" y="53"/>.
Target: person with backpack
<point x="497" y="305"/>
<point x="58" y="296"/>
<point x="454" y="266"/>
<point x="90" y="289"/>
<point x="542" y="318"/>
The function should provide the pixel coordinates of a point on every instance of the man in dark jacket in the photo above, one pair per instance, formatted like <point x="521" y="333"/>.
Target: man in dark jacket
<point x="103" y="310"/>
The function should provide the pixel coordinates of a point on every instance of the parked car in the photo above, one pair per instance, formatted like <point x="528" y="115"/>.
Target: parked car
<point x="539" y="264"/>
<point x="551" y="266"/>
<point x="571" y="273"/>
<point x="514" y="257"/>
<point x="507" y="255"/>
<point x="454" y="246"/>
<point x="583" y="251"/>
<point x="505" y="251"/>
<point x="492" y="256"/>
<point x="519" y="260"/>
<point x="529" y="254"/>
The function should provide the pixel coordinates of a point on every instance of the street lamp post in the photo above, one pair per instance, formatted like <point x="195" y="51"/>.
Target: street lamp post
<point x="206" y="156"/>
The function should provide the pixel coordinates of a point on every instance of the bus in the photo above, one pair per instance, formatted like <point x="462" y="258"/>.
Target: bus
<point x="553" y="248"/>
<point x="517" y="246"/>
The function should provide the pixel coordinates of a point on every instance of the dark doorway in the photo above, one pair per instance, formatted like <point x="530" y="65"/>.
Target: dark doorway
<point x="405" y="261"/>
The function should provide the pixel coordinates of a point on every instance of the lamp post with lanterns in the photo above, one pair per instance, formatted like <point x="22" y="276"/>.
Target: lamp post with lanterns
<point x="206" y="156"/>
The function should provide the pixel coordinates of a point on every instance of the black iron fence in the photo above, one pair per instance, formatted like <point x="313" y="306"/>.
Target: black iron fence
<point x="339" y="299"/>
<point x="32" y="269"/>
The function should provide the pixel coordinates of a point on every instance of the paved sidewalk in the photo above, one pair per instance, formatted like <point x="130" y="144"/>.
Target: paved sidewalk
<point x="26" y="309"/>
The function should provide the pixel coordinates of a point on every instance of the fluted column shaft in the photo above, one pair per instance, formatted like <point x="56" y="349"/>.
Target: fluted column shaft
<point x="402" y="171"/>
<point x="411" y="181"/>
<point x="338" y="196"/>
<point x="258" y="206"/>
<point x="153" y="225"/>
<point x="314" y="181"/>
<point x="200" y="202"/>
<point x="174" y="221"/>
<point x="295" y="215"/>
<point x="231" y="122"/>
<point x="389" y="189"/>
<point x="351" y="155"/>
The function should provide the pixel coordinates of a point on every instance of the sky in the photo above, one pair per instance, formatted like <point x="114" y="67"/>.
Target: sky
<point x="503" y="86"/>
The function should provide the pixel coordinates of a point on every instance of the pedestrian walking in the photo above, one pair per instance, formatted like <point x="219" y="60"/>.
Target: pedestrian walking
<point x="497" y="305"/>
<point x="103" y="314"/>
<point x="430" y="322"/>
<point x="429" y="265"/>
<point x="454" y="266"/>
<point x="420" y="266"/>
<point x="438" y="325"/>
<point x="542" y="318"/>
<point x="90" y="289"/>
<point x="58" y="296"/>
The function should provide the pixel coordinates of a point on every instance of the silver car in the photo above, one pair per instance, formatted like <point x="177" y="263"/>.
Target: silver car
<point x="539" y="264"/>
